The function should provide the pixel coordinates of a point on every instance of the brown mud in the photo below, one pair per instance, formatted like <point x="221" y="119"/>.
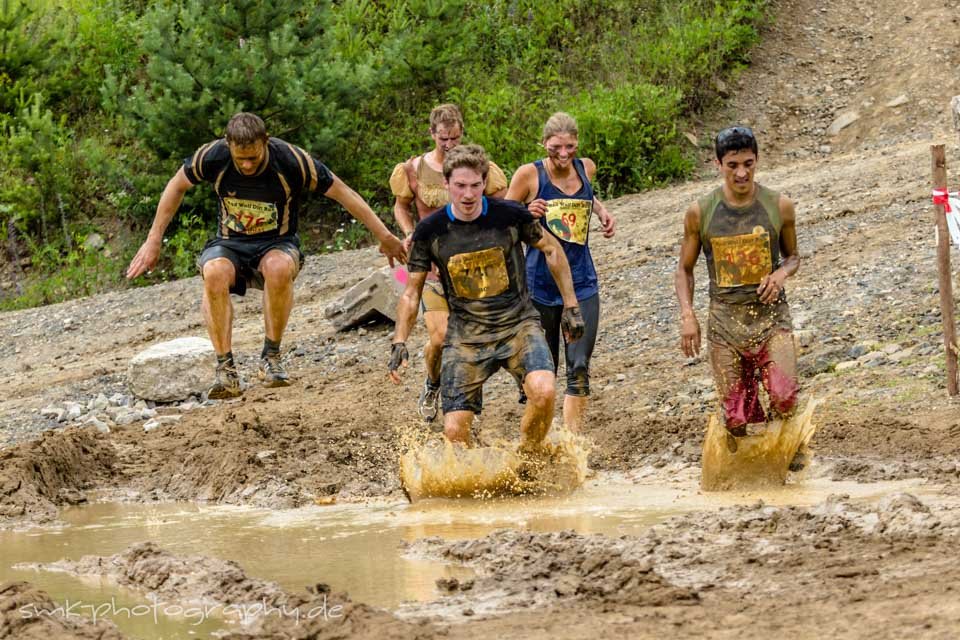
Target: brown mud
<point x="864" y="304"/>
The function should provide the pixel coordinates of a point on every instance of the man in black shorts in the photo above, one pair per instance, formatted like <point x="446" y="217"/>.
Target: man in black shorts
<point x="259" y="181"/>
<point x="475" y="242"/>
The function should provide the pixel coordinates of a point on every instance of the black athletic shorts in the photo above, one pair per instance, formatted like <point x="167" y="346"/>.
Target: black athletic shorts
<point x="245" y="254"/>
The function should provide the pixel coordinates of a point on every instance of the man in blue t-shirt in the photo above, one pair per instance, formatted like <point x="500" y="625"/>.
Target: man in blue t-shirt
<point x="259" y="182"/>
<point x="475" y="242"/>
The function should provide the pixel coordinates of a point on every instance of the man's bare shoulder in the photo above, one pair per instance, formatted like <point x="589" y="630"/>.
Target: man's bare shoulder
<point x="787" y="210"/>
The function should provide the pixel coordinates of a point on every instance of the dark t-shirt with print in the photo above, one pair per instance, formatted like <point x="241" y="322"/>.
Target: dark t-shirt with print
<point x="482" y="267"/>
<point x="266" y="204"/>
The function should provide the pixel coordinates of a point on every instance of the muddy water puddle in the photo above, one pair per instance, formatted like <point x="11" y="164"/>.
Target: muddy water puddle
<point x="355" y="547"/>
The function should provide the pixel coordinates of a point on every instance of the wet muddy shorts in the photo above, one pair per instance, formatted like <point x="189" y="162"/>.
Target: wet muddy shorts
<point x="246" y="254"/>
<point x="739" y="372"/>
<point x="467" y="366"/>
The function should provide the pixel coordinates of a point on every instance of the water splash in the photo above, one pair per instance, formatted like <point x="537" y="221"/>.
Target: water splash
<point x="761" y="460"/>
<point x="435" y="467"/>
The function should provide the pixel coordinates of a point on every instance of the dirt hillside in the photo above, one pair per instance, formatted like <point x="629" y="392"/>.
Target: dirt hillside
<point x="865" y="307"/>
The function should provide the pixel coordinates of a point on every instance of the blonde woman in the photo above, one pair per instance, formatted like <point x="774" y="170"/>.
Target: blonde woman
<point x="563" y="182"/>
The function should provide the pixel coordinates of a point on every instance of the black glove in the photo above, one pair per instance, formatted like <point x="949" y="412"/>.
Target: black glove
<point x="398" y="355"/>
<point x="571" y="322"/>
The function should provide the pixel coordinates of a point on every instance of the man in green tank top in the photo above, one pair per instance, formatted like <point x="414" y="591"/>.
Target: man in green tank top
<point x="748" y="236"/>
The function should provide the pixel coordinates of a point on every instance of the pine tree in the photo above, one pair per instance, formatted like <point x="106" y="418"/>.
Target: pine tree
<point x="208" y="60"/>
<point x="24" y="51"/>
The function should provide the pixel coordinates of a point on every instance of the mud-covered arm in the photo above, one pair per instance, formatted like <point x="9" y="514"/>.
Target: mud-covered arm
<point x="771" y="285"/>
<point x="684" y="282"/>
<point x="406" y="316"/>
<point x="149" y="252"/>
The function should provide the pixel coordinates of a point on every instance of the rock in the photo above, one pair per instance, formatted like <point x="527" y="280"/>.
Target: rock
<point x="862" y="348"/>
<point x="93" y="242"/>
<point x="71" y="496"/>
<point x="263" y="455"/>
<point x="150" y="425"/>
<point x="74" y="411"/>
<point x="127" y="417"/>
<point x="173" y="370"/>
<point x="899" y="101"/>
<point x="54" y="413"/>
<point x="100" y="402"/>
<point x="621" y="377"/>
<point x="873" y="356"/>
<point x="843" y="121"/>
<point x="846" y="366"/>
<point x="146" y="414"/>
<point x="376" y="295"/>
<point x="98" y="424"/>
<point x="899" y="356"/>
<point x="118" y="399"/>
<point x="805" y="337"/>
<point x="169" y="419"/>
<point x="891" y="349"/>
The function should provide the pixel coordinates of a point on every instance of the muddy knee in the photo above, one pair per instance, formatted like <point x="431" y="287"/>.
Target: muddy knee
<point x="218" y="275"/>
<point x="540" y="390"/>
<point x="278" y="269"/>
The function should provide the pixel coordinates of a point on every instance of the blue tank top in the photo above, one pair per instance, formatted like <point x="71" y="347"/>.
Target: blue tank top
<point x="568" y="219"/>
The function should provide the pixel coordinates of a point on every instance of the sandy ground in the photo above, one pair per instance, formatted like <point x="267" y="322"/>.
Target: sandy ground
<point x="865" y="298"/>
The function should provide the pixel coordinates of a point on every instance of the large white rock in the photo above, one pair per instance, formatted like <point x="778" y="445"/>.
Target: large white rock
<point x="172" y="370"/>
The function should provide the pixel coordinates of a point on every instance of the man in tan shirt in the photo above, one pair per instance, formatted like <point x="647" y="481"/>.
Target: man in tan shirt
<point x="419" y="183"/>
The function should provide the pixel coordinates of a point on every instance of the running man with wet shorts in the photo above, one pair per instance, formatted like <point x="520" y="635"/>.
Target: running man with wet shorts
<point x="419" y="182"/>
<point x="477" y="245"/>
<point x="748" y="236"/>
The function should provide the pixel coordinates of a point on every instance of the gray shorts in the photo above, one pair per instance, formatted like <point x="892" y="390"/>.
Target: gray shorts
<point x="245" y="254"/>
<point x="467" y="366"/>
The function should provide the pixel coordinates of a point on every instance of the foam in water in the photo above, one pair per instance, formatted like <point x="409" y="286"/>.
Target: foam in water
<point x="761" y="460"/>
<point x="439" y="468"/>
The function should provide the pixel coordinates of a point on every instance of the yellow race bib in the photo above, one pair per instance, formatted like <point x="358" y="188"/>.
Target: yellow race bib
<point x="477" y="275"/>
<point x="742" y="260"/>
<point x="249" y="216"/>
<point x="569" y="218"/>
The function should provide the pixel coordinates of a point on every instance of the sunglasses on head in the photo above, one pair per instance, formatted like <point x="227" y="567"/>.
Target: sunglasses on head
<point x="729" y="132"/>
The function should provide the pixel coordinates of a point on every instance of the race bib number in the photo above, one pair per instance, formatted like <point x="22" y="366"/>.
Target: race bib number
<point x="249" y="216"/>
<point x="478" y="275"/>
<point x="742" y="260"/>
<point x="568" y="219"/>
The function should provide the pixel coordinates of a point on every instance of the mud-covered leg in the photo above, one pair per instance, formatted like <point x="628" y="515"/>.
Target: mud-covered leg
<point x="782" y="385"/>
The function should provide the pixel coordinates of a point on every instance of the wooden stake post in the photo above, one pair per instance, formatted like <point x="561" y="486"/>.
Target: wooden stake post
<point x="943" y="266"/>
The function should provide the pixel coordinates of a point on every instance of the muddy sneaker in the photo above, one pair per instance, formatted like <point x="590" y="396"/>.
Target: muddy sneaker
<point x="428" y="406"/>
<point x="227" y="384"/>
<point x="800" y="460"/>
<point x="732" y="434"/>
<point x="272" y="372"/>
